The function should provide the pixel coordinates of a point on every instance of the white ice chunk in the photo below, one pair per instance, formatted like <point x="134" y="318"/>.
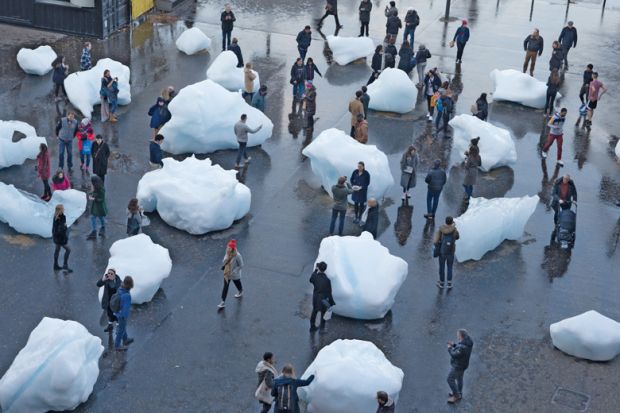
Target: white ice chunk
<point x="334" y="153"/>
<point x="28" y="214"/>
<point x="83" y="87"/>
<point x="488" y="222"/>
<point x="203" y="119"/>
<point x="590" y="336"/>
<point x="393" y="91"/>
<point x="56" y="370"/>
<point x="194" y="195"/>
<point x="15" y="153"/>
<point x="348" y="375"/>
<point x="348" y="49"/>
<point x="365" y="276"/>
<point x="497" y="147"/>
<point x="192" y="41"/>
<point x="147" y="263"/>
<point x="514" y="86"/>
<point x="224" y="71"/>
<point x="36" y="61"/>
<point x="617" y="150"/>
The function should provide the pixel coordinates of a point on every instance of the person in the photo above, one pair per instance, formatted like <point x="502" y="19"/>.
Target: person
<point x="361" y="129"/>
<point x="285" y="389"/>
<point x="331" y="8"/>
<point x="421" y="57"/>
<point x="123" y="315"/>
<point x="386" y="405"/>
<point x="596" y="90"/>
<point x="564" y="194"/>
<point x="553" y="85"/>
<point x="310" y="105"/>
<point x="471" y="163"/>
<point x="98" y="208"/>
<point x="298" y="78"/>
<point x="236" y="49"/>
<point x="482" y="107"/>
<point x="60" y="181"/>
<point x="60" y="237"/>
<point x="168" y="93"/>
<point x="461" y="36"/>
<point x="155" y="152"/>
<point x="556" y="125"/>
<point x="108" y="93"/>
<point x="65" y="131"/>
<point x="321" y="295"/>
<point x="406" y="55"/>
<point x="110" y="283"/>
<point x="311" y="69"/>
<point x="85" y="135"/>
<point x="583" y="113"/>
<point x="101" y="153"/>
<point x="392" y="26"/>
<point x="232" y="263"/>
<point x="587" y="78"/>
<point x="241" y="131"/>
<point x="59" y="74"/>
<point x="447" y="108"/>
<point x="134" y="217"/>
<point x="355" y="107"/>
<point x="86" y="62"/>
<point x="390" y="9"/>
<point x="365" y="98"/>
<point x="533" y="46"/>
<point x="432" y="84"/>
<point x="340" y="193"/>
<point x="360" y="180"/>
<point x="460" y="353"/>
<point x="408" y="167"/>
<point x="248" y="82"/>
<point x="266" y="374"/>
<point x="557" y="56"/>
<point x="568" y="39"/>
<point x="304" y="38"/>
<point x="228" y="20"/>
<point x="390" y="53"/>
<point x="445" y="243"/>
<point x="43" y="171"/>
<point x="435" y="179"/>
<point x="159" y="114"/>
<point x="412" y="21"/>
<point x="364" y="9"/>
<point x="258" y="99"/>
<point x="371" y="218"/>
<point x="376" y="64"/>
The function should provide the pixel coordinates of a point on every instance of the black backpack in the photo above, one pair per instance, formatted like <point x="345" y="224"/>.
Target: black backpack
<point x="284" y="402"/>
<point x="389" y="60"/>
<point x="447" y="243"/>
<point x="115" y="302"/>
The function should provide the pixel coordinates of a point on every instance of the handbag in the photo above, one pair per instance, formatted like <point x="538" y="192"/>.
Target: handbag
<point x="408" y="170"/>
<point x="263" y="393"/>
<point x="452" y="43"/>
<point x="436" y="249"/>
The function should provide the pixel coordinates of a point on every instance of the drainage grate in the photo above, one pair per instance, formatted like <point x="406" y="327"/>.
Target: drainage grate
<point x="572" y="399"/>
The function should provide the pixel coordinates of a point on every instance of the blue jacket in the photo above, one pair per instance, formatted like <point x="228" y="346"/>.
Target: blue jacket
<point x="294" y="383"/>
<point x="568" y="37"/>
<point x="159" y="114"/>
<point x="125" y="303"/>
<point x="362" y="180"/>
<point x="155" y="153"/>
<point x="310" y="70"/>
<point x="461" y="35"/>
<point x="436" y="179"/>
<point x="304" y="39"/>
<point x="258" y="101"/>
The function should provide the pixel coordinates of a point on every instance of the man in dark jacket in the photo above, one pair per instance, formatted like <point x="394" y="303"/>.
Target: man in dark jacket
<point x="390" y="53"/>
<point x="445" y="242"/>
<point x="65" y="131"/>
<point x="365" y="100"/>
<point x="533" y="46"/>
<point x="386" y="405"/>
<point x="421" y="57"/>
<point x="459" y="362"/>
<point x="568" y="39"/>
<point x="392" y="26"/>
<point x="285" y="390"/>
<point x="461" y="37"/>
<point x="298" y="78"/>
<point x="557" y="56"/>
<point x="310" y="106"/>
<point x="376" y="64"/>
<point x="234" y="47"/>
<point x="435" y="179"/>
<point x="227" y="18"/>
<point x="101" y="152"/>
<point x="364" y="9"/>
<point x="304" y="38"/>
<point x="110" y="283"/>
<point x="340" y="193"/>
<point x="587" y="78"/>
<point x="331" y="7"/>
<point x="412" y="20"/>
<point x="564" y="192"/>
<point x="123" y="315"/>
<point x="321" y="295"/>
<point x="155" y="158"/>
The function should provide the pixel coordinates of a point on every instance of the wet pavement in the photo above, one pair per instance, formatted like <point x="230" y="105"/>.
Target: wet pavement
<point x="190" y="358"/>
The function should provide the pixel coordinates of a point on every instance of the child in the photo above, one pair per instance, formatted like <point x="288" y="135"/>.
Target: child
<point x="85" y="152"/>
<point x="583" y="111"/>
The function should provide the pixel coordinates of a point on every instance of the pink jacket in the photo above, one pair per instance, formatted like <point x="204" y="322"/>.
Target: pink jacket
<point x="61" y="186"/>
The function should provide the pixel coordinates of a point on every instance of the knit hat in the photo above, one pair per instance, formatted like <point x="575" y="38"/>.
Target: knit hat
<point x="232" y="244"/>
<point x="464" y="22"/>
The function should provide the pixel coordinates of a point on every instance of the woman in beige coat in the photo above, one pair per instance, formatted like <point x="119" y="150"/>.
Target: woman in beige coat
<point x="248" y="80"/>
<point x="232" y="263"/>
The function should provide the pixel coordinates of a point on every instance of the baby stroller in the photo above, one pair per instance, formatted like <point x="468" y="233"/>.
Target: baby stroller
<point x="566" y="226"/>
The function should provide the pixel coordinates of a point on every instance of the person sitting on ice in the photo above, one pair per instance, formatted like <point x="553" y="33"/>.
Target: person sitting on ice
<point x="234" y="47"/>
<point x="60" y="181"/>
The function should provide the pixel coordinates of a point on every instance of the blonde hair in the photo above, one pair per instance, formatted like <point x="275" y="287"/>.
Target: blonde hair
<point x="60" y="209"/>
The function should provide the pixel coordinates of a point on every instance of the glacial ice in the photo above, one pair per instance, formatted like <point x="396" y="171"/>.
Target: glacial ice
<point x="193" y="41"/>
<point x="348" y="49"/>
<point x="36" y="61"/>
<point x="15" y="153"/>
<point x="225" y="72"/>
<point x="393" y="91"/>
<point x="514" y="86"/>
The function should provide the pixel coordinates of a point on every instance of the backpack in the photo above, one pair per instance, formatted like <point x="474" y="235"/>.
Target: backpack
<point x="87" y="146"/>
<point x="434" y="99"/>
<point x="389" y="60"/>
<point x="115" y="302"/>
<point x="284" y="401"/>
<point x="439" y="104"/>
<point x="447" y="243"/>
<point x="583" y="109"/>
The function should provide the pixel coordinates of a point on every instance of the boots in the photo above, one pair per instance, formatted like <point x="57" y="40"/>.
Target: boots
<point x="92" y="235"/>
<point x="56" y="266"/>
<point x="65" y="265"/>
<point x="102" y="232"/>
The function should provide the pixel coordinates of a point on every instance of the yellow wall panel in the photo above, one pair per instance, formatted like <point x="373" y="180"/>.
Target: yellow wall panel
<point x="139" y="7"/>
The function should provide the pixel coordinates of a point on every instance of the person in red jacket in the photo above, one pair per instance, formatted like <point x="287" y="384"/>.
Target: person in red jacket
<point x="60" y="181"/>
<point x="43" y="171"/>
<point x="85" y="136"/>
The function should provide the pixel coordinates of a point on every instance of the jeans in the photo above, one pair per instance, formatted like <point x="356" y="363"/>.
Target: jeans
<point x="121" y="332"/>
<point x="421" y="68"/>
<point x="550" y="102"/>
<point x="583" y="92"/>
<point x="247" y="96"/>
<point x="455" y="381"/>
<point x="530" y="55"/>
<point x="438" y="118"/>
<point x="335" y="213"/>
<point x="560" y="141"/>
<point x="565" y="50"/>
<point x="113" y="105"/>
<point x="46" y="188"/>
<point x="469" y="190"/>
<point x="85" y="159"/>
<point x="57" y="253"/>
<point x="93" y="222"/>
<point x="459" y="50"/>
<point x="241" y="152"/>
<point x="226" y="34"/>
<point x="58" y="87"/>
<point x="364" y="28"/>
<point x="309" y="121"/>
<point x="298" y="89"/>
<point x="68" y="147"/>
<point x="432" y="199"/>
<point x="227" y="284"/>
<point x="443" y="259"/>
<point x="409" y="30"/>
<point x="302" y="52"/>
<point x="359" y="209"/>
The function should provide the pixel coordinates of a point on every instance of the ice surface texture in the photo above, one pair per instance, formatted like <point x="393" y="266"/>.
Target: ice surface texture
<point x="590" y="336"/>
<point x="28" y="214"/>
<point x="203" y="119"/>
<point x="365" y="276"/>
<point x="488" y="222"/>
<point x="36" y="61"/>
<point x="348" y="375"/>
<point x="393" y="91"/>
<point x="496" y="145"/>
<point x="225" y="72"/>
<point x="83" y="87"/>
<point x="514" y="86"/>
<point x="334" y="153"/>
<point x="192" y="41"/>
<point x="147" y="263"/>
<point x="348" y="49"/>
<point x="15" y="153"/>
<point x="194" y="195"/>
<point x="55" y="371"/>
<point x="617" y="150"/>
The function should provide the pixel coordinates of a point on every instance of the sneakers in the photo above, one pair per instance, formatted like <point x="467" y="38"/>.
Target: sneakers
<point x="221" y="305"/>
<point x="543" y="154"/>
<point x="449" y="285"/>
<point x="313" y="328"/>
<point x="128" y="341"/>
<point x="440" y="284"/>
<point x="92" y="235"/>
<point x="102" y="232"/>
<point x="454" y="398"/>
<point x="239" y="294"/>
<point x="429" y="117"/>
<point x="560" y="162"/>
<point x="248" y="159"/>
<point x="109" y="328"/>
<point x="66" y="268"/>
<point x="429" y="216"/>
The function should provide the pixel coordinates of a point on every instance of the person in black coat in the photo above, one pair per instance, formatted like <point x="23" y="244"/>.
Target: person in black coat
<point x="110" y="283"/>
<point x="372" y="219"/>
<point x="311" y="69"/>
<point x="101" y="152"/>
<point x="364" y="9"/>
<point x="568" y="39"/>
<point x="390" y="54"/>
<point x="376" y="65"/>
<point x="234" y="47"/>
<point x="406" y="56"/>
<point x="321" y="295"/>
<point x="482" y="107"/>
<point x="459" y="362"/>
<point x="331" y="7"/>
<point x="557" y="56"/>
<point x="360" y="180"/>
<point x="228" y="19"/>
<point x="61" y="238"/>
<point x="304" y="38"/>
<point x="59" y="74"/>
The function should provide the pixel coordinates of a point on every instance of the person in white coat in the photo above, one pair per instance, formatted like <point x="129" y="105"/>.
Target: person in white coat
<point x="232" y="263"/>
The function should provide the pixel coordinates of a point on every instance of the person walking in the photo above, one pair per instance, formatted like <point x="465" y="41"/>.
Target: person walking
<point x="596" y="90"/>
<point x="248" y="82"/>
<point x="482" y="107"/>
<point x="447" y="108"/>
<point x="258" y="100"/>
<point x="564" y="194"/>
<point x="376" y="64"/>
<point x="365" y="98"/>
<point x="311" y="69"/>
<point x="412" y="21"/>
<point x="310" y="106"/>
<point x="557" y="56"/>
<point x="461" y="37"/>
<point x="587" y="78"/>
<point x="355" y="107"/>
<point x="370" y="218"/>
<point x="60" y="237"/>
<point x="59" y="74"/>
<point x="101" y="154"/>
<point x="266" y="371"/>
<point x="471" y="164"/>
<point x="134" y="217"/>
<point x="553" y="86"/>
<point x="285" y="390"/>
<point x="435" y="179"/>
<point x="241" y="131"/>
<point x="86" y="62"/>
<point x="568" y="39"/>
<point x="408" y="167"/>
<point x="385" y="404"/>
<point x="361" y="129"/>
<point x="556" y="126"/>
<point x="155" y="152"/>
<point x="122" y="316"/>
<point x="422" y="55"/>
<point x="236" y="49"/>
<point x="340" y="193"/>
<point x="406" y="61"/>
<point x="460" y="353"/>
<point x="298" y="79"/>
<point x="360" y="181"/>
<point x="98" y="208"/>
<point x="159" y="114"/>
<point x="44" y="171"/>
<point x="533" y="46"/>
<point x="364" y="10"/>
<point x="432" y="84"/>
<point x="227" y="18"/>
<point x="110" y="283"/>
<point x="390" y="53"/>
<point x="304" y="39"/>
<point x="65" y="131"/>
<point x="60" y="181"/>
<point x="232" y="263"/>
<point x="321" y="295"/>
<point x="445" y="245"/>
<point x="331" y="8"/>
<point x="108" y="94"/>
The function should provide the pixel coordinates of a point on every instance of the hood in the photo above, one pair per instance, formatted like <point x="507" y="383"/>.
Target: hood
<point x="262" y="366"/>
<point x="447" y="229"/>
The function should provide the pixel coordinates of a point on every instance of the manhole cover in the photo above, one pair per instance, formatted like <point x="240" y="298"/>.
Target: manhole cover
<point x="572" y="399"/>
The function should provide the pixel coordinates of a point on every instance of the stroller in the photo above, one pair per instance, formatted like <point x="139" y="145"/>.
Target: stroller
<point x="566" y="226"/>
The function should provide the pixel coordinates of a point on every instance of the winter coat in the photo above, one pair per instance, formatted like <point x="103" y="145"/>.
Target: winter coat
<point x="109" y="289"/>
<point x="298" y="74"/>
<point x="341" y="193"/>
<point x="482" y="107"/>
<point x="101" y="153"/>
<point x="553" y="87"/>
<point x="435" y="84"/>
<point x="258" y="101"/>
<point x="362" y="180"/>
<point x="99" y="207"/>
<point x="364" y="9"/>
<point x="65" y="129"/>
<point x="227" y="24"/>
<point x="232" y="267"/>
<point x="248" y="80"/>
<point x="377" y="62"/>
<point x="43" y="165"/>
<point x="445" y="229"/>
<point x="460" y="353"/>
<point x="406" y="54"/>
<point x="436" y="179"/>
<point x="59" y="230"/>
<point x="390" y="11"/>
<point x="159" y="114"/>
<point x="59" y="73"/>
<point x="125" y="304"/>
<point x="568" y="37"/>
<point x="266" y="372"/>
<point x="412" y="19"/>
<point x="304" y="39"/>
<point x="310" y="100"/>
<point x="361" y="131"/>
<point x="310" y="70"/>
<point x="355" y="106"/>
<point x="81" y="130"/>
<point x="372" y="220"/>
<point x="294" y="383"/>
<point x="155" y="154"/>
<point x="322" y="289"/>
<point x="534" y="44"/>
<point x="572" y="191"/>
<point x="333" y="6"/>
<point x="408" y="179"/>
<point x="471" y="163"/>
<point x="422" y="56"/>
<point x="365" y="98"/>
<point x="557" y="57"/>
<point x="388" y="407"/>
<point x="106" y="86"/>
<point x="393" y="25"/>
<point x="234" y="47"/>
<point x="462" y="35"/>
<point x="61" y="185"/>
